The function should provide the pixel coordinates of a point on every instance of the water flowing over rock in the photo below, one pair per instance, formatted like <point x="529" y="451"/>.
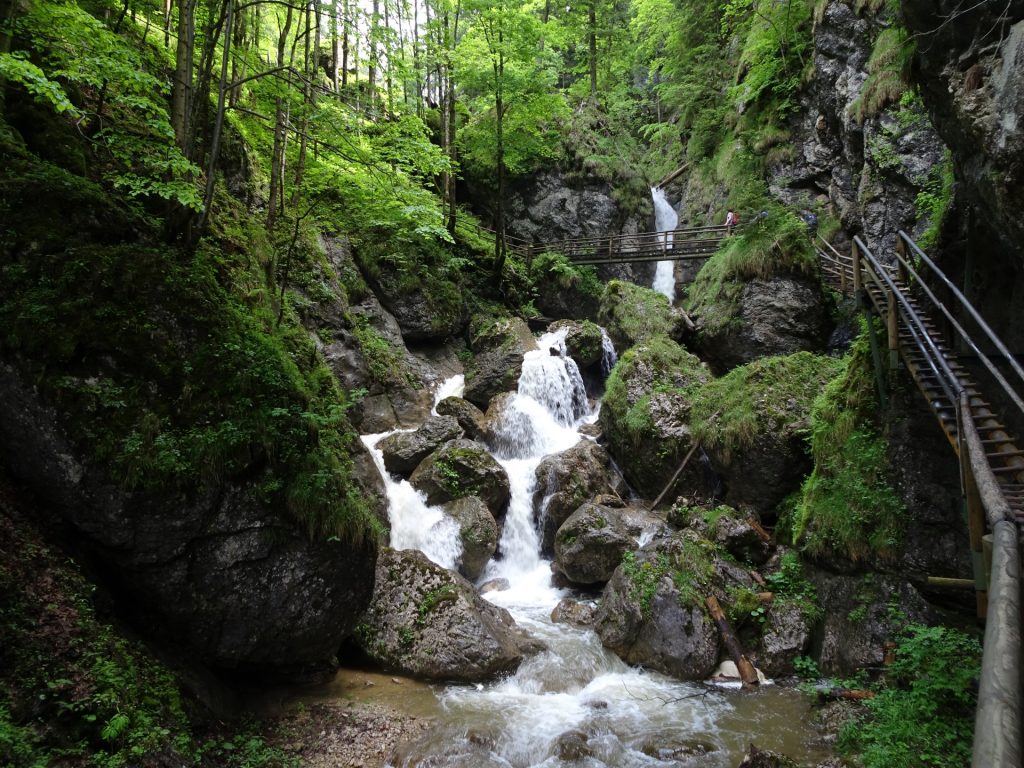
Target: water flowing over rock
<point x="478" y="532"/>
<point x="463" y="468"/>
<point x="568" y="479"/>
<point x="665" y="220"/>
<point x="403" y="451"/>
<point x="590" y="544"/>
<point x="429" y="622"/>
<point x="498" y="348"/>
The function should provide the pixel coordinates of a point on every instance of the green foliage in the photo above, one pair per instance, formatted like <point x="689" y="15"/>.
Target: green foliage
<point x="121" y="105"/>
<point x="432" y="599"/>
<point x="635" y="313"/>
<point x="790" y="584"/>
<point x="934" y="199"/>
<point x="554" y="268"/>
<point x="890" y="60"/>
<point x="768" y="396"/>
<point x="644" y="577"/>
<point x="847" y="504"/>
<point x="924" y="715"/>
<point x="384" y="361"/>
<point x="806" y="668"/>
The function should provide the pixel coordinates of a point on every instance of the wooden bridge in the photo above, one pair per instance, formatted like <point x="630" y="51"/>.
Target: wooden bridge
<point x="684" y="244"/>
<point x="991" y="463"/>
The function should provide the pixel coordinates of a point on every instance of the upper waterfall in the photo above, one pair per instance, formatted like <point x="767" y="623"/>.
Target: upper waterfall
<point x="665" y="220"/>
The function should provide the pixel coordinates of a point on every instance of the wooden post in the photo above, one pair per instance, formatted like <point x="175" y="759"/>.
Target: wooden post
<point x="747" y="672"/>
<point x="901" y="270"/>
<point x="892" y="320"/>
<point x="529" y="258"/>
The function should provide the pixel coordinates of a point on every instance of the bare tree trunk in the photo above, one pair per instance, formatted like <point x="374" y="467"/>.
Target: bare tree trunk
<point x="371" y="73"/>
<point x="239" y="65"/>
<point x="388" y="53"/>
<point x="499" y="216"/>
<point x="280" y="121"/>
<point x="168" y="9"/>
<point x="344" y="42"/>
<point x="182" y="91"/>
<point x="218" y="124"/>
<point x="335" y="46"/>
<point x="416" y="56"/>
<point x="592" y="41"/>
<point x="300" y="165"/>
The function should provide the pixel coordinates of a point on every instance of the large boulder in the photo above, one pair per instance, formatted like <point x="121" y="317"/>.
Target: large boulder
<point x="591" y="543"/>
<point x="463" y="468"/>
<point x="222" y="573"/>
<point x="652" y="614"/>
<point x="568" y="479"/>
<point x="430" y="623"/>
<point x="786" y="634"/>
<point x="754" y="421"/>
<point x="632" y="314"/>
<point x="645" y="415"/>
<point x="777" y="315"/>
<point x="403" y="451"/>
<point x="469" y="417"/>
<point x="498" y="347"/>
<point x="583" y="341"/>
<point x="478" y="532"/>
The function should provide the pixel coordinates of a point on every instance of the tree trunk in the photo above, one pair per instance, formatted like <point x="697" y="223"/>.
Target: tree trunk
<point x="182" y="91"/>
<point x="168" y="10"/>
<point x="747" y="672"/>
<point x="280" y="118"/>
<point x="344" y="42"/>
<point x="218" y="124"/>
<point x="592" y="40"/>
<point x="371" y="71"/>
<point x="499" y="216"/>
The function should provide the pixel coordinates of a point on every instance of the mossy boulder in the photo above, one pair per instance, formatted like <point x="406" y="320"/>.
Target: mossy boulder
<point x="652" y="610"/>
<point x="470" y="418"/>
<point x="582" y="341"/>
<point x="429" y="622"/>
<point x="646" y="414"/>
<point x="463" y="468"/>
<point x="403" y="451"/>
<point x="568" y="479"/>
<point x="760" y="295"/>
<point x="632" y="314"/>
<point x="498" y="346"/>
<point x="590" y="544"/>
<point x="478" y="532"/>
<point x="754" y="423"/>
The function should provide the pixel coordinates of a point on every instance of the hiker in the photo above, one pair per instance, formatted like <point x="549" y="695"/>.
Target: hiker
<point x="811" y="221"/>
<point x="731" y="219"/>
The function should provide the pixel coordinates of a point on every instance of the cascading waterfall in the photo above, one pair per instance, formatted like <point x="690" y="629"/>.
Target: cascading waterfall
<point x="665" y="220"/>
<point x="608" y="356"/>
<point x="631" y="717"/>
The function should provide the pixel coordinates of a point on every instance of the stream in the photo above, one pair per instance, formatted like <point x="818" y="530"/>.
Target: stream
<point x="665" y="220"/>
<point x="575" y="703"/>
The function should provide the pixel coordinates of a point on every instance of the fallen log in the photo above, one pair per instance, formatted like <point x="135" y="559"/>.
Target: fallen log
<point x="748" y="675"/>
<point x="850" y="694"/>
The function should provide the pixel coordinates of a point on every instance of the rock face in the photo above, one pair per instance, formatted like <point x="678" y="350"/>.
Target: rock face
<point x="645" y="415"/>
<point x="463" y="468"/>
<point x="403" y="451"/>
<point x="582" y="341"/>
<point x="856" y="622"/>
<point x="677" y="640"/>
<point x="498" y="348"/>
<point x="221" y="573"/>
<point x="478" y="533"/>
<point x="428" y="622"/>
<point x="786" y="634"/>
<point x="777" y="316"/>
<point x="591" y="543"/>
<point x="469" y="417"/>
<point x="568" y="479"/>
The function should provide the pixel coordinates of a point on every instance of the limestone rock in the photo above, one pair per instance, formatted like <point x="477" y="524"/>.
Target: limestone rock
<point x="478" y="532"/>
<point x="430" y="623"/>
<point x="778" y="315"/>
<point x="461" y="468"/>
<point x="786" y="634"/>
<point x="582" y="341"/>
<point x="568" y="479"/>
<point x="642" y="619"/>
<point x="470" y="418"/>
<point x="590" y="544"/>
<point x="575" y="612"/>
<point x="403" y="451"/>
<point x="498" y="348"/>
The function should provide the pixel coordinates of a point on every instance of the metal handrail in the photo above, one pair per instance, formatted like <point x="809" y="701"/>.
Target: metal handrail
<point x="911" y="315"/>
<point x="996" y="341"/>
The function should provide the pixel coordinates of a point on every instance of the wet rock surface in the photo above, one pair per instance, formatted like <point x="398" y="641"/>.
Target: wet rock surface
<point x="428" y="622"/>
<point x="498" y="347"/>
<point x="463" y="468"/>
<point x="403" y="451"/>
<point x="478" y="533"/>
<point x="590" y="544"/>
<point x="785" y="635"/>
<point x="568" y="479"/>
<point x="469" y="417"/>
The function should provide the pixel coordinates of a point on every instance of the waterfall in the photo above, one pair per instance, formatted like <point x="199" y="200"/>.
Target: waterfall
<point x="632" y="717"/>
<point x="608" y="356"/>
<point x="665" y="220"/>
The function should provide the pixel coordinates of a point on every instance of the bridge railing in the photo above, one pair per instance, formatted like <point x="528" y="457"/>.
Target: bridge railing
<point x="997" y="738"/>
<point x="637" y="245"/>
